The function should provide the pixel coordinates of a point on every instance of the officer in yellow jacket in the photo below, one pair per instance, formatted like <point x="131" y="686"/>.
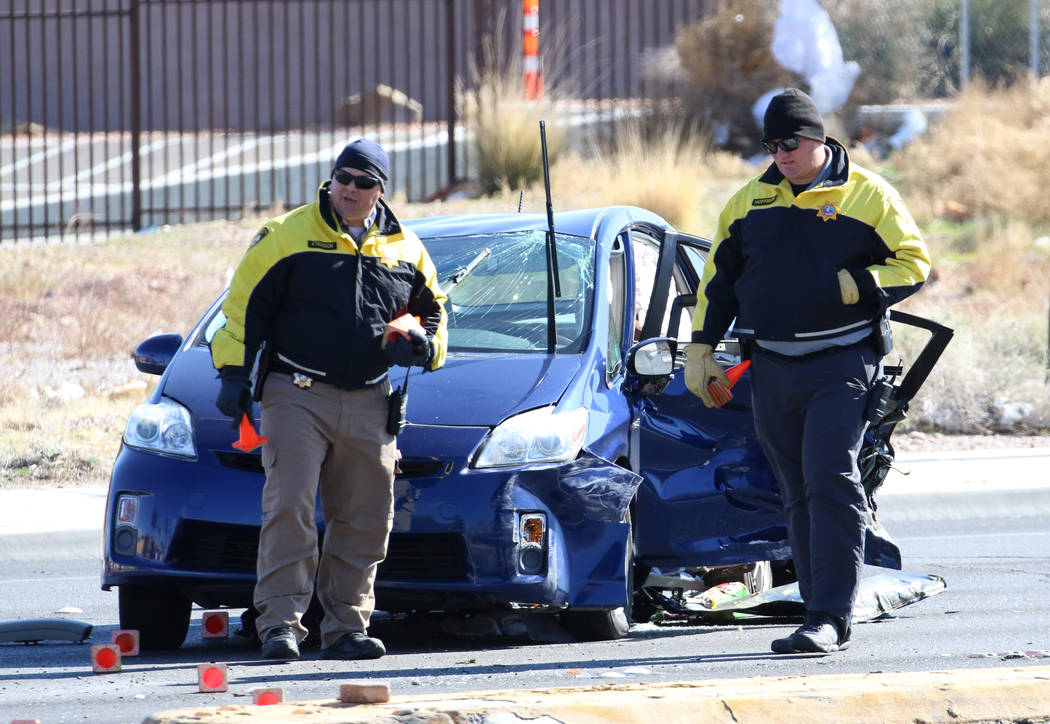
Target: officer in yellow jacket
<point x="315" y="291"/>
<point x="807" y="259"/>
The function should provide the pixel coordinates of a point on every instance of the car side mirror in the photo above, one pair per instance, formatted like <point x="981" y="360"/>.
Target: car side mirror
<point x="650" y="364"/>
<point x="153" y="355"/>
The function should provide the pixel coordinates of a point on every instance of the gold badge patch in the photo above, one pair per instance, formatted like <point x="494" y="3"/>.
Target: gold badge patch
<point x="389" y="259"/>
<point x="828" y="212"/>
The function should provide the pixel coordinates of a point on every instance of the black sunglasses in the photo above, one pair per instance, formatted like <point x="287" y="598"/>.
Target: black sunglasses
<point x="788" y="144"/>
<point x="365" y="183"/>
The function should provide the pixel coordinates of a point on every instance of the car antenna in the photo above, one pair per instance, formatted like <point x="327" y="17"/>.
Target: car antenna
<point x="553" y="281"/>
<point x="521" y="199"/>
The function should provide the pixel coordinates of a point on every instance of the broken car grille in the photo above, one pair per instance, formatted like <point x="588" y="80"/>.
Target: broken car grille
<point x="213" y="548"/>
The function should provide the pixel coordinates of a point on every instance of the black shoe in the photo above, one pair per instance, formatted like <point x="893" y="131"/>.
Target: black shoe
<point x="785" y="645"/>
<point x="354" y="645"/>
<point x="819" y="635"/>
<point x="280" y="643"/>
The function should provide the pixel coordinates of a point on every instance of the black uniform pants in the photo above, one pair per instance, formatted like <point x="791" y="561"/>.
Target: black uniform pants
<point x="809" y="419"/>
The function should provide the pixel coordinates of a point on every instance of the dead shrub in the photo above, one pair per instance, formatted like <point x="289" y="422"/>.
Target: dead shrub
<point x="505" y="123"/>
<point x="729" y="63"/>
<point x="988" y="156"/>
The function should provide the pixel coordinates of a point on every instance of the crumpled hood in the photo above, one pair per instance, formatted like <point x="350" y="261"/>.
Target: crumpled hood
<point x="484" y="390"/>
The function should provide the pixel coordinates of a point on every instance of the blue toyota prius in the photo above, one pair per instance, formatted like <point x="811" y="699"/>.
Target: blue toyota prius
<point x="553" y="461"/>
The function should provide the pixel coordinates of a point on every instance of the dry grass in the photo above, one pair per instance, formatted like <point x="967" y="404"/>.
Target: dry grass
<point x="72" y="315"/>
<point x="988" y="156"/>
<point x="994" y="374"/>
<point x="504" y="124"/>
<point x="667" y="171"/>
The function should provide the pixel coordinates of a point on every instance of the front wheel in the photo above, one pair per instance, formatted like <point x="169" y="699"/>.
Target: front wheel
<point x="161" y="616"/>
<point x="611" y="623"/>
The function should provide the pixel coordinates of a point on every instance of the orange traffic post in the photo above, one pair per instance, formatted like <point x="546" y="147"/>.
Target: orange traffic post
<point x="212" y="678"/>
<point x="249" y="439"/>
<point x="531" y="49"/>
<point x="105" y="658"/>
<point x="215" y="624"/>
<point x="127" y="640"/>
<point x="268" y="696"/>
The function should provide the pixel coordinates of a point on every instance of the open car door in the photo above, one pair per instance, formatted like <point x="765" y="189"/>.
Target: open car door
<point x="709" y="496"/>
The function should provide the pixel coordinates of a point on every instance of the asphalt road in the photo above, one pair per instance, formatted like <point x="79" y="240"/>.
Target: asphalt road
<point x="977" y="521"/>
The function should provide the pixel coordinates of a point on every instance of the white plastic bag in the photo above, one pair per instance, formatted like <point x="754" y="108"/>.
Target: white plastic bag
<point x="805" y="42"/>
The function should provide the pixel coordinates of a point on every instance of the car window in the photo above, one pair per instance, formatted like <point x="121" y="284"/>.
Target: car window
<point x="212" y="326"/>
<point x="497" y="290"/>
<point x="688" y="264"/>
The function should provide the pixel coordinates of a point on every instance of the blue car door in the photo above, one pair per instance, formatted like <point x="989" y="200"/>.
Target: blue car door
<point x="708" y="496"/>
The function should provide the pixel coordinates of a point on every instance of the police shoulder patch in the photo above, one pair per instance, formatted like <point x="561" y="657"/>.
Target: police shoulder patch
<point x="316" y="244"/>
<point x="763" y="201"/>
<point x="259" y="236"/>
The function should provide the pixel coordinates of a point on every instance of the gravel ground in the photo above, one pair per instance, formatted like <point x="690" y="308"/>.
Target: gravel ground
<point x="938" y="442"/>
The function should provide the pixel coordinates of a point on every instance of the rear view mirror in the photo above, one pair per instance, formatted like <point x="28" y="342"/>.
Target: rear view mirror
<point x="651" y="363"/>
<point x="153" y="355"/>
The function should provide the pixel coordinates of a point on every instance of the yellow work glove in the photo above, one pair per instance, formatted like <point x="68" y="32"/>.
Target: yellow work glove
<point x="848" y="288"/>
<point x="704" y="377"/>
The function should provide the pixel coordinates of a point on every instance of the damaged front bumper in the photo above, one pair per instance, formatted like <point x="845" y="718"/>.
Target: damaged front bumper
<point x="552" y="536"/>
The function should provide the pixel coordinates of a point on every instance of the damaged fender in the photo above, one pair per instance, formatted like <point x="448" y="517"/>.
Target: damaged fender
<point x="588" y="501"/>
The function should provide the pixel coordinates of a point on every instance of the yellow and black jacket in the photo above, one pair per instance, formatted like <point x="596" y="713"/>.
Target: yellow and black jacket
<point x="322" y="300"/>
<point x="775" y="258"/>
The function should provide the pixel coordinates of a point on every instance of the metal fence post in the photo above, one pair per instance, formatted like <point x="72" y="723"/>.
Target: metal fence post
<point x="964" y="45"/>
<point x="450" y="88"/>
<point x="1033" y="37"/>
<point x="135" y="117"/>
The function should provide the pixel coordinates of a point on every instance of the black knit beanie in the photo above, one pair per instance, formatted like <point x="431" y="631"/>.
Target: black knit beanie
<point x="365" y="155"/>
<point x="792" y="113"/>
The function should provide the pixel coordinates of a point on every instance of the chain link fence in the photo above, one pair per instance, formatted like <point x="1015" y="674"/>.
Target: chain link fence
<point x="925" y="49"/>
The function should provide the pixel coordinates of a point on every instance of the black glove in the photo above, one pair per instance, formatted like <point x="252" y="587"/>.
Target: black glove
<point x="235" y="397"/>
<point x="413" y="350"/>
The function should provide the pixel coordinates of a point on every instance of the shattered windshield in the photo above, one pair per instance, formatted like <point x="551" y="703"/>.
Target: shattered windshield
<point x="497" y="299"/>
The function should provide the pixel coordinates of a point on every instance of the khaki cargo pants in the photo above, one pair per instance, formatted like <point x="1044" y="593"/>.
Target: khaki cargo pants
<point x="334" y="439"/>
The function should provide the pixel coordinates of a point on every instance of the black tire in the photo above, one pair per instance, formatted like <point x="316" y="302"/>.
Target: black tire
<point x="609" y="624"/>
<point x="161" y="616"/>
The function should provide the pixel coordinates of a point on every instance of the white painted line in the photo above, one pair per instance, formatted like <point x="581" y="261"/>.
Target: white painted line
<point x="39" y="156"/>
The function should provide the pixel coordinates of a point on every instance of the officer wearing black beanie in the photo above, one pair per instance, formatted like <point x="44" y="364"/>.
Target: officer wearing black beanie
<point x="315" y="292"/>
<point x="792" y="113"/>
<point x="807" y="258"/>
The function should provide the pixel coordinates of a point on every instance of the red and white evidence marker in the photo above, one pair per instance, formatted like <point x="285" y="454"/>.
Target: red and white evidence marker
<point x="212" y="677"/>
<point x="265" y="697"/>
<point x="215" y="624"/>
<point x="127" y="640"/>
<point x="105" y="658"/>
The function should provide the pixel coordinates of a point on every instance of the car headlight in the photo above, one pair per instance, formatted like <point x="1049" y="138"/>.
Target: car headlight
<point x="536" y="436"/>
<point x="163" y="428"/>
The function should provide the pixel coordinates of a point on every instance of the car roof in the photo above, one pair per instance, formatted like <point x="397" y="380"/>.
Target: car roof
<point x="582" y="222"/>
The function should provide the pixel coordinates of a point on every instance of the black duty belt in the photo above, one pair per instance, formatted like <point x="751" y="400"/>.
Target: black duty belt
<point x="305" y="377"/>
